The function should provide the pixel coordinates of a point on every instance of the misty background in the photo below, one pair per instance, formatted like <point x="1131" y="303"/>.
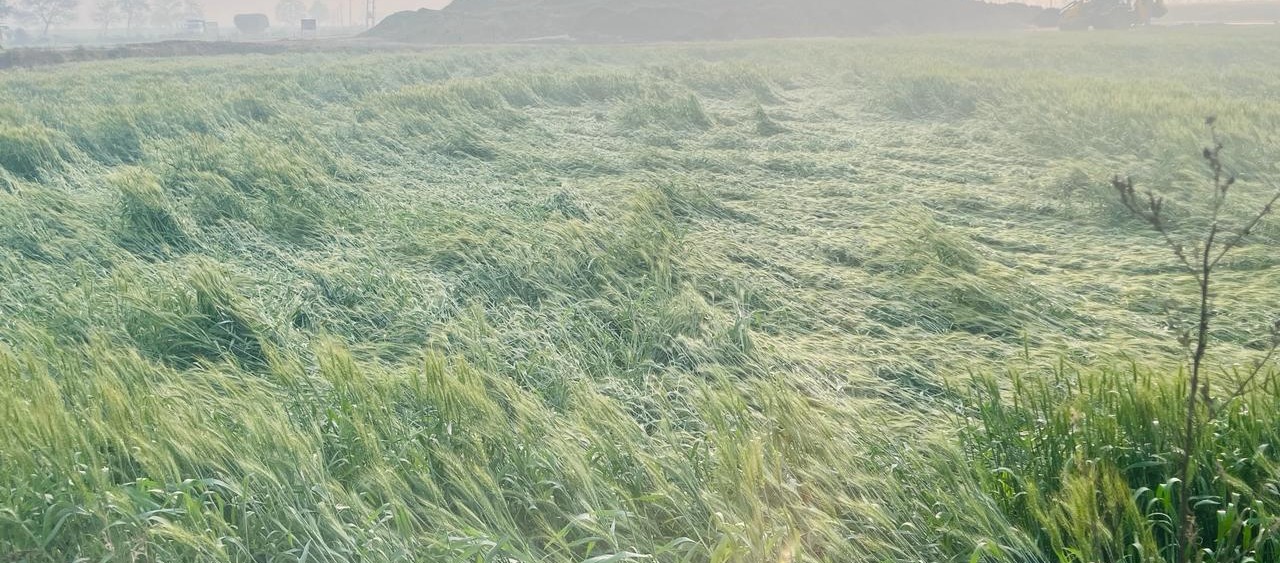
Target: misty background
<point x="222" y="11"/>
<point x="349" y="13"/>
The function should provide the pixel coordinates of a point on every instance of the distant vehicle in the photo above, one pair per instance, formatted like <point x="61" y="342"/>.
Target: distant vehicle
<point x="1109" y="14"/>
<point x="201" y="29"/>
<point x="252" y="24"/>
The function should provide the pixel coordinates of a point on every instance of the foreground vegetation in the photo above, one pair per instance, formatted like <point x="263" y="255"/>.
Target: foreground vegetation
<point x="700" y="303"/>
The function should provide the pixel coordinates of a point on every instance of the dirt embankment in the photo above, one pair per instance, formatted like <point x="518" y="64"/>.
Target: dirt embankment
<point x="605" y="21"/>
<point x="39" y="56"/>
<point x="34" y="57"/>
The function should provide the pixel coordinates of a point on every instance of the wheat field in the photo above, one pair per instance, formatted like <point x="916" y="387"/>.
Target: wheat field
<point x="706" y="302"/>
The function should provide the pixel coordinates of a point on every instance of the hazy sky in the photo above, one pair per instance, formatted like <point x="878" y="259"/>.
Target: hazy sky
<point x="223" y="10"/>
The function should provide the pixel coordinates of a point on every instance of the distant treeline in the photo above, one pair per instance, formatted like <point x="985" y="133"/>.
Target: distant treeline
<point x="504" y="21"/>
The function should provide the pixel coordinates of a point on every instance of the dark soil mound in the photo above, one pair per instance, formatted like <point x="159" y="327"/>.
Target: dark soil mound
<point x="505" y="21"/>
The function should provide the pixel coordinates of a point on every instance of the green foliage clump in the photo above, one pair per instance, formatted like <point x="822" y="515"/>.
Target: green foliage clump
<point x="464" y="144"/>
<point x="569" y="90"/>
<point x="148" y="220"/>
<point x="677" y="113"/>
<point x="765" y="125"/>
<point x="200" y="318"/>
<point x="113" y="137"/>
<point x="932" y="96"/>
<point x="1088" y="462"/>
<point x="28" y="150"/>
<point x="252" y="108"/>
<point x="212" y="196"/>
<point x="285" y="192"/>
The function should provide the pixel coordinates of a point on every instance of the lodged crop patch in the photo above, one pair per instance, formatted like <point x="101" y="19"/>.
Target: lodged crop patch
<point x="668" y="303"/>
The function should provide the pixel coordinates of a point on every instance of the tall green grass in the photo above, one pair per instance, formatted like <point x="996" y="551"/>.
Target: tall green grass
<point x="647" y="303"/>
<point x="1090" y="462"/>
<point x="28" y="150"/>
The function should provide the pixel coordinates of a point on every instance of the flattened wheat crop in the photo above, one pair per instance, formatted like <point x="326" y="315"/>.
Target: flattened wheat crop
<point x="646" y="303"/>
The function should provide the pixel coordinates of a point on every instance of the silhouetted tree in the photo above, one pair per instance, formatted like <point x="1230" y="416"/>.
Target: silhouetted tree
<point x="134" y="11"/>
<point x="319" y="11"/>
<point x="171" y="13"/>
<point x="290" y="12"/>
<point x="5" y="11"/>
<point x="106" y="13"/>
<point x="49" y="12"/>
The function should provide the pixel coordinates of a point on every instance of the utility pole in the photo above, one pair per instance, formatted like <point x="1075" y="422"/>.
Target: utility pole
<point x="371" y="14"/>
